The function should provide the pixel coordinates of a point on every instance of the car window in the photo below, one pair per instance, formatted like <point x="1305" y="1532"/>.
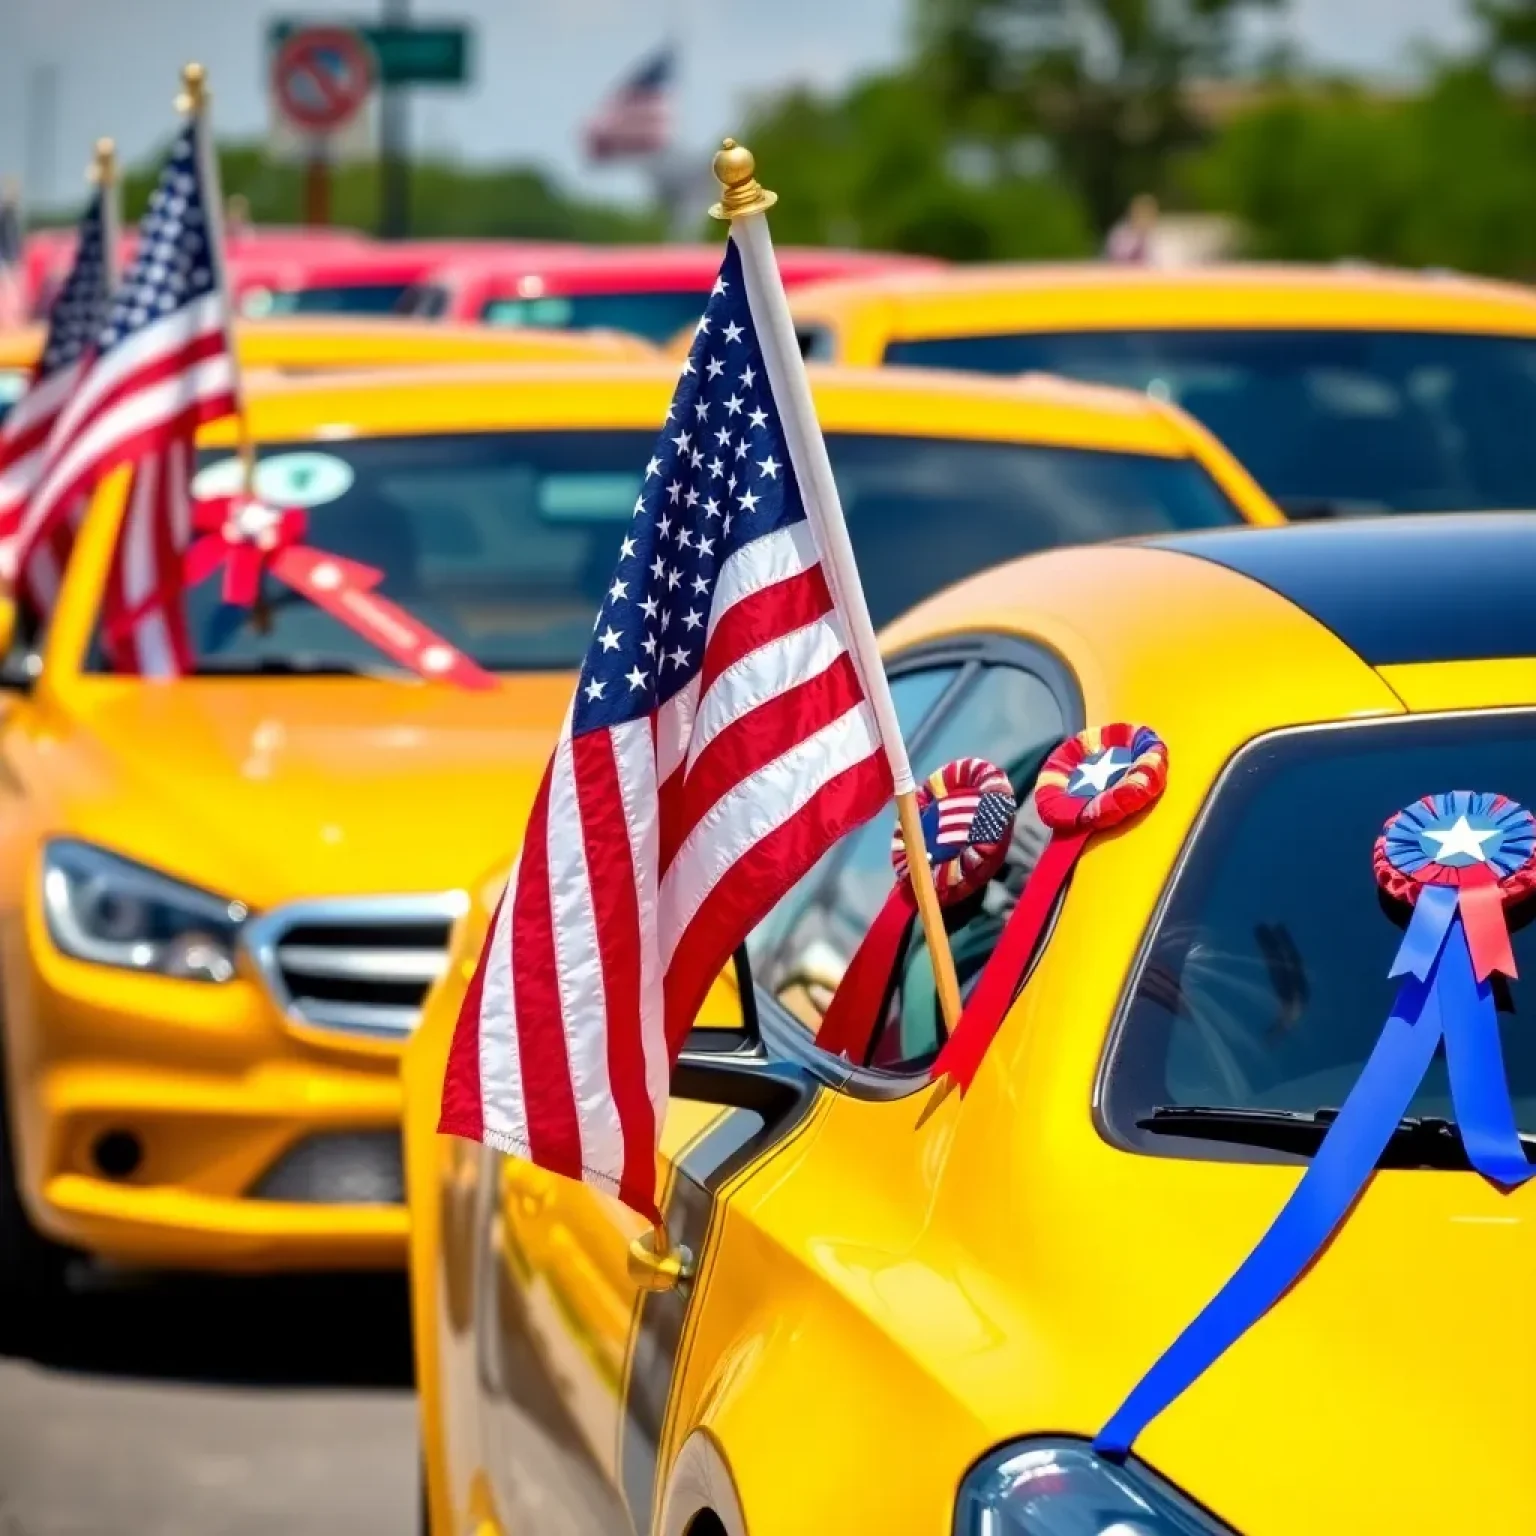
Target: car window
<point x="361" y="298"/>
<point x="784" y="944"/>
<point x="1349" y="421"/>
<point x="504" y="542"/>
<point x="656" y="316"/>
<point x="1265" y="982"/>
<point x="1000" y="712"/>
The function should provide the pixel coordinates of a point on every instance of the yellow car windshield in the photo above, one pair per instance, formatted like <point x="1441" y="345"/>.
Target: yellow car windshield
<point x="1328" y="422"/>
<point x="504" y="543"/>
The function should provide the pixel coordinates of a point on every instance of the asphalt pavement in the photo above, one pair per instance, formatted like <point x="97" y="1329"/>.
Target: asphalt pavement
<point x="191" y="1406"/>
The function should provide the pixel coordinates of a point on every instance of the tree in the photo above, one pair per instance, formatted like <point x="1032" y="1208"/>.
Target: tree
<point x="1440" y="179"/>
<point x="1103" y="81"/>
<point x="507" y="202"/>
<point x="878" y="167"/>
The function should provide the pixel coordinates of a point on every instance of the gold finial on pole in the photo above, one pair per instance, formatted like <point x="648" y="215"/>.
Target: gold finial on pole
<point x="194" y="88"/>
<point x="104" y="163"/>
<point x="733" y="166"/>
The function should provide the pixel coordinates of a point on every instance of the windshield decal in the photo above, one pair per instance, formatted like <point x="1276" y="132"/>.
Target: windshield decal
<point x="296" y="480"/>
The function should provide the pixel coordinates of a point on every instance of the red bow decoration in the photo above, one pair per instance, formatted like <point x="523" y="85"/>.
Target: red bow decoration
<point x="250" y="539"/>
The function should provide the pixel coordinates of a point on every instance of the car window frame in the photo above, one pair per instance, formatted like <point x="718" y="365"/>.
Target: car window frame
<point x="784" y="1037"/>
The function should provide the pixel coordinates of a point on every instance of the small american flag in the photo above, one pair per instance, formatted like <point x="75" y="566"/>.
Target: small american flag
<point x="635" y="119"/>
<point x="161" y="365"/>
<point x="720" y="740"/>
<point x="78" y="313"/>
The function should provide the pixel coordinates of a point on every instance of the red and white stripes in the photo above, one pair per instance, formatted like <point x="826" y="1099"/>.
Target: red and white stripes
<point x="650" y="852"/>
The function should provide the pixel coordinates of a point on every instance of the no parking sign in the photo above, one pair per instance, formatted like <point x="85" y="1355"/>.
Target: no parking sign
<point x="321" y="78"/>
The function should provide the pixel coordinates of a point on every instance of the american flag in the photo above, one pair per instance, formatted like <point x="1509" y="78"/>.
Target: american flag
<point x="635" y="119"/>
<point x="78" y="313"/>
<point x="720" y="740"/>
<point x="161" y="364"/>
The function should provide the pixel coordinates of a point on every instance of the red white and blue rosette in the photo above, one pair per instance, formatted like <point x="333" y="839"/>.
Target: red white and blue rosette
<point x="1093" y="781"/>
<point x="966" y="809"/>
<point x="1459" y="860"/>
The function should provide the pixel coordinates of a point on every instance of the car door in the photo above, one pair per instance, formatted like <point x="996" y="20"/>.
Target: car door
<point x="576" y="1361"/>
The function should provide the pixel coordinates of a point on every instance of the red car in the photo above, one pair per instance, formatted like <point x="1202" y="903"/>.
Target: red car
<point x="369" y="279"/>
<point x="265" y="259"/>
<point x="651" y="290"/>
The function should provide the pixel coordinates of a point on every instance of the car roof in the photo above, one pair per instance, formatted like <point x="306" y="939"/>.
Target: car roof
<point x="1000" y="297"/>
<point x="889" y="401"/>
<point x="327" y="343"/>
<point x="1453" y="587"/>
<point x="1227" y="635"/>
<point x="693" y="263"/>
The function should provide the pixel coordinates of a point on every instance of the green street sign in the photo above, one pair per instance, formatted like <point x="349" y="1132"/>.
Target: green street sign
<point x="431" y="55"/>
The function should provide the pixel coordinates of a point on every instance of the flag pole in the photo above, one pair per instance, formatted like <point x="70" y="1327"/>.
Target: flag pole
<point x="104" y="174"/>
<point x="743" y="204"/>
<point x="193" y="103"/>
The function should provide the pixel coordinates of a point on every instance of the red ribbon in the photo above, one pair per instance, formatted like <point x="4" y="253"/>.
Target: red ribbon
<point x="985" y="1008"/>
<point x="1073" y="819"/>
<point x="249" y="539"/>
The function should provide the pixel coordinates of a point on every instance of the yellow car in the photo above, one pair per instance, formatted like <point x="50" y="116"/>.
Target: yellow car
<point x="311" y="344"/>
<point x="224" y="897"/>
<point x="917" y="1325"/>
<point x="1345" y="390"/>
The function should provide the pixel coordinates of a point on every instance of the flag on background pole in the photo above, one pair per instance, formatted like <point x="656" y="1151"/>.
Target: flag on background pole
<point x="162" y="364"/>
<point x="720" y="740"/>
<point x="635" y="119"/>
<point x="76" y="316"/>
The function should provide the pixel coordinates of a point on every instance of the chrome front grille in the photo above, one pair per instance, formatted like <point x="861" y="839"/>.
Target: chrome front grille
<point x="359" y="965"/>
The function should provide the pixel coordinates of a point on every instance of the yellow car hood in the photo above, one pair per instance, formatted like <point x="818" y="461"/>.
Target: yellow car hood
<point x="275" y="788"/>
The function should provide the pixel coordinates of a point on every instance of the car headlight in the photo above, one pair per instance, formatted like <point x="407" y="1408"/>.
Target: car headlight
<point x="1061" y="1488"/>
<point x="109" y="910"/>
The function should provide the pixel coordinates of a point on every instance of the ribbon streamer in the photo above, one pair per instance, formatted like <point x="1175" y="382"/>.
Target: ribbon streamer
<point x="1436" y="854"/>
<point x="966" y="809"/>
<point x="248" y="539"/>
<point x="1091" y="782"/>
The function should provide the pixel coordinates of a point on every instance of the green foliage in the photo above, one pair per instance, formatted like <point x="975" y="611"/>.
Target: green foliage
<point x="878" y="167"/>
<point x="1103" y="81"/>
<point x="506" y="202"/>
<point x="1442" y="179"/>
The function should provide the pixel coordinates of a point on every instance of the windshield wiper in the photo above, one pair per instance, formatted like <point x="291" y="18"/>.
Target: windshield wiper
<point x="291" y="666"/>
<point x="1420" y="1141"/>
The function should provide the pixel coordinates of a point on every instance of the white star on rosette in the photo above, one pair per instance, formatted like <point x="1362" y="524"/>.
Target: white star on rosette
<point x="1098" y="772"/>
<point x="1461" y="839"/>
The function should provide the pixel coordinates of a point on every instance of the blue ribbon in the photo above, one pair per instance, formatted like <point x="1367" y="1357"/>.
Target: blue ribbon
<point x="1440" y="997"/>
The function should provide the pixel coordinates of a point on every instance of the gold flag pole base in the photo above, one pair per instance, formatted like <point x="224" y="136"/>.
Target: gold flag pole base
<point x="655" y="1265"/>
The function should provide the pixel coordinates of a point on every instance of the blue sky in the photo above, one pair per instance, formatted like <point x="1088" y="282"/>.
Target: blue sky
<point x="541" y="66"/>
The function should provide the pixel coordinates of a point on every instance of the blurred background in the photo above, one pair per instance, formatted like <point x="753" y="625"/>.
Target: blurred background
<point x="1382" y="130"/>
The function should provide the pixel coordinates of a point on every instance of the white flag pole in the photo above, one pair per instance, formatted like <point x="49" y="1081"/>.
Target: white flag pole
<point x="104" y="174"/>
<point x="744" y="204"/>
<point x="193" y="103"/>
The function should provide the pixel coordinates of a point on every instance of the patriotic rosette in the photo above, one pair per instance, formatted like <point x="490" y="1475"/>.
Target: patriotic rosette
<point x="1099" y="777"/>
<point x="1093" y="781"/>
<point x="1458" y="860"/>
<point x="966" y="809"/>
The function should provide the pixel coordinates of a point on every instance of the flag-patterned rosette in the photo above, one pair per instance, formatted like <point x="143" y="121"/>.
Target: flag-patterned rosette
<point x="966" y="809"/>
<point x="1458" y="860"/>
<point x="1093" y="781"/>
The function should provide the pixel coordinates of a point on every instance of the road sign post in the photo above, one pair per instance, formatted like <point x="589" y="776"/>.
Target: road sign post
<point x="403" y="55"/>
<point x="322" y="77"/>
